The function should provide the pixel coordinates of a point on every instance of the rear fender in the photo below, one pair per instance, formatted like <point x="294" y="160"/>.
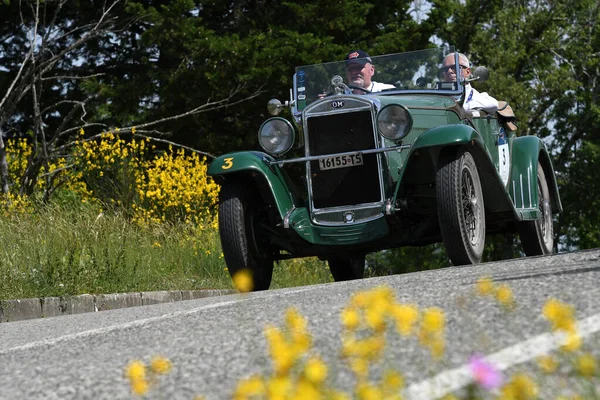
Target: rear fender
<point x="527" y="151"/>
<point x="254" y="165"/>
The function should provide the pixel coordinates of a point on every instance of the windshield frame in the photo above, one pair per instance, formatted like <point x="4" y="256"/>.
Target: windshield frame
<point x="311" y="82"/>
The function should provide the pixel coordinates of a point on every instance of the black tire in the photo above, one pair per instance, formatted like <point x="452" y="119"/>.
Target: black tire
<point x="345" y="269"/>
<point x="537" y="237"/>
<point x="461" y="210"/>
<point x="245" y="247"/>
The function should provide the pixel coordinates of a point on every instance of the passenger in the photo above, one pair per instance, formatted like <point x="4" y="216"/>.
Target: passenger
<point x="474" y="100"/>
<point x="359" y="70"/>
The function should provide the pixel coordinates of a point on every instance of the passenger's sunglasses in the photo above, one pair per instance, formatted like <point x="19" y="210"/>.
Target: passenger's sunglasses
<point x="452" y="67"/>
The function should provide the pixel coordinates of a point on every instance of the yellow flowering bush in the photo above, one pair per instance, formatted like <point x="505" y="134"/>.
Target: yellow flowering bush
<point x="153" y="186"/>
<point x="149" y="185"/>
<point x="174" y="187"/>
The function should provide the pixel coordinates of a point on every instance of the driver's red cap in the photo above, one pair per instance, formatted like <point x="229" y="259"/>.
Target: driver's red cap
<point x="358" y="57"/>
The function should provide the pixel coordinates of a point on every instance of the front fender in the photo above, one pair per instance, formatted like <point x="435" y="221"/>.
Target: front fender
<point x="527" y="152"/>
<point x="446" y="135"/>
<point x="255" y="163"/>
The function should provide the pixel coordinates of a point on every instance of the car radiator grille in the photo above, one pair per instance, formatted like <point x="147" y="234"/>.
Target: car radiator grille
<point x="338" y="133"/>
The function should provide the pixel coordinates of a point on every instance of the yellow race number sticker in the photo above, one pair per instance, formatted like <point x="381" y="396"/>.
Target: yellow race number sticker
<point x="228" y="163"/>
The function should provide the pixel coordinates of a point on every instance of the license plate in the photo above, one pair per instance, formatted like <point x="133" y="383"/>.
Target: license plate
<point x="348" y="160"/>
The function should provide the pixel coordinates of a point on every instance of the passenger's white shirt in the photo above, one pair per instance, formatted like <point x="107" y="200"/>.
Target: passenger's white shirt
<point x="378" y="87"/>
<point x="475" y="100"/>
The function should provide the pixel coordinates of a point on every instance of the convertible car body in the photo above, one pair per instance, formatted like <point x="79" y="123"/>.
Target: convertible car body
<point x="348" y="174"/>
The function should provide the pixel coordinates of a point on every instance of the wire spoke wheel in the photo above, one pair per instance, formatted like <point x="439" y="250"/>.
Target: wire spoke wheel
<point x="461" y="211"/>
<point x="537" y="237"/>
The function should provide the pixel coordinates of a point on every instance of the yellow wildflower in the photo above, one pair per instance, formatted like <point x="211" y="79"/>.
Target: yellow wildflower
<point x="520" y="387"/>
<point x="392" y="381"/>
<point x="360" y="367"/>
<point x="586" y="365"/>
<point x="433" y="320"/>
<point x="305" y="390"/>
<point x="253" y="386"/>
<point x="366" y="391"/>
<point x="504" y="296"/>
<point x="136" y="370"/>
<point x="374" y="316"/>
<point x="548" y="364"/>
<point x="294" y="320"/>
<point x="139" y="386"/>
<point x="278" y="387"/>
<point x="160" y="365"/>
<point x="485" y="286"/>
<point x="243" y="280"/>
<point x="335" y="395"/>
<point x="315" y="370"/>
<point x="405" y="317"/>
<point x="560" y="315"/>
<point x="350" y="318"/>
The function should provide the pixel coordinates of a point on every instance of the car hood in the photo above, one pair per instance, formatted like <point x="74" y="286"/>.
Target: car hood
<point x="419" y="101"/>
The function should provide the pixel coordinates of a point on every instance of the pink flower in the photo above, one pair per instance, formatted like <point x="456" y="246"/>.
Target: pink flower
<point x="484" y="373"/>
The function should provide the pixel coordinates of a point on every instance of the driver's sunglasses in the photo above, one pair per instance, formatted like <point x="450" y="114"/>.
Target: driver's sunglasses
<point x="453" y="67"/>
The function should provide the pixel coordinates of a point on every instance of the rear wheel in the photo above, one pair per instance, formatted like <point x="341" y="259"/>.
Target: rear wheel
<point x="242" y="216"/>
<point x="460" y="208"/>
<point x="345" y="269"/>
<point x="537" y="237"/>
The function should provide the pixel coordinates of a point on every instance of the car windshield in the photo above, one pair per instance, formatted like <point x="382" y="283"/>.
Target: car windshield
<point x="411" y="72"/>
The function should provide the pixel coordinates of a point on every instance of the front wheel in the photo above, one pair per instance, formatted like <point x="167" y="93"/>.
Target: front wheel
<point x="242" y="214"/>
<point x="460" y="208"/>
<point x="537" y="237"/>
<point x="345" y="269"/>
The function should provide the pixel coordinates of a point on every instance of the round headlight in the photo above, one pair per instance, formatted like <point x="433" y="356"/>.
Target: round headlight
<point x="276" y="136"/>
<point x="394" y="122"/>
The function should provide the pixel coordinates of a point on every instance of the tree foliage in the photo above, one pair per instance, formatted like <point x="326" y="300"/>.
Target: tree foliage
<point x="199" y="73"/>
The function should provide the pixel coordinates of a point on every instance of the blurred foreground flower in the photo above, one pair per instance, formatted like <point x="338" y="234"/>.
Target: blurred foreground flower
<point x="560" y="315"/>
<point x="548" y="364"/>
<point x="485" y="286"/>
<point x="141" y="377"/>
<point x="520" y="387"/>
<point x="484" y="373"/>
<point x="243" y="280"/>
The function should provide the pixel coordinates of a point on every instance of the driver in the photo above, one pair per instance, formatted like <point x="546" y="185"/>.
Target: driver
<point x="359" y="70"/>
<point x="474" y="100"/>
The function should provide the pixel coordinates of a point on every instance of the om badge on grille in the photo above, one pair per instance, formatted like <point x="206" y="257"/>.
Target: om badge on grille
<point x="348" y="216"/>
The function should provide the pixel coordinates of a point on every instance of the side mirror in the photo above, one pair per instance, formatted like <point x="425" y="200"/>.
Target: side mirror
<point x="480" y="74"/>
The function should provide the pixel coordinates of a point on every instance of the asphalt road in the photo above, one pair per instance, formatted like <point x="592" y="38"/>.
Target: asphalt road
<point x="214" y="342"/>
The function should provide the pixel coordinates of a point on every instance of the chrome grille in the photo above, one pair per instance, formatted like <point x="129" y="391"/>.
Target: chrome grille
<point x="343" y="131"/>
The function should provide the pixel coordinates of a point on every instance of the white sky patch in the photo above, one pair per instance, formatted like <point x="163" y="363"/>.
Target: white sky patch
<point x="419" y="10"/>
<point x="451" y="380"/>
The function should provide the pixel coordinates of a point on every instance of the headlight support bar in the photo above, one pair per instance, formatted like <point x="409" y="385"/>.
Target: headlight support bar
<point x="316" y="158"/>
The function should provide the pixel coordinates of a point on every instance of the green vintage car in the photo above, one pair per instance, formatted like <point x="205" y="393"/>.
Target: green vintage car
<point x="350" y="174"/>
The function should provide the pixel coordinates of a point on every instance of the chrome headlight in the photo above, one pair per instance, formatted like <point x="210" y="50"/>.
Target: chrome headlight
<point x="394" y="122"/>
<point x="276" y="136"/>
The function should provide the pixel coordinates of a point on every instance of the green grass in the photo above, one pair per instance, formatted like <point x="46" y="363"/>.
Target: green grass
<point x="62" y="250"/>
